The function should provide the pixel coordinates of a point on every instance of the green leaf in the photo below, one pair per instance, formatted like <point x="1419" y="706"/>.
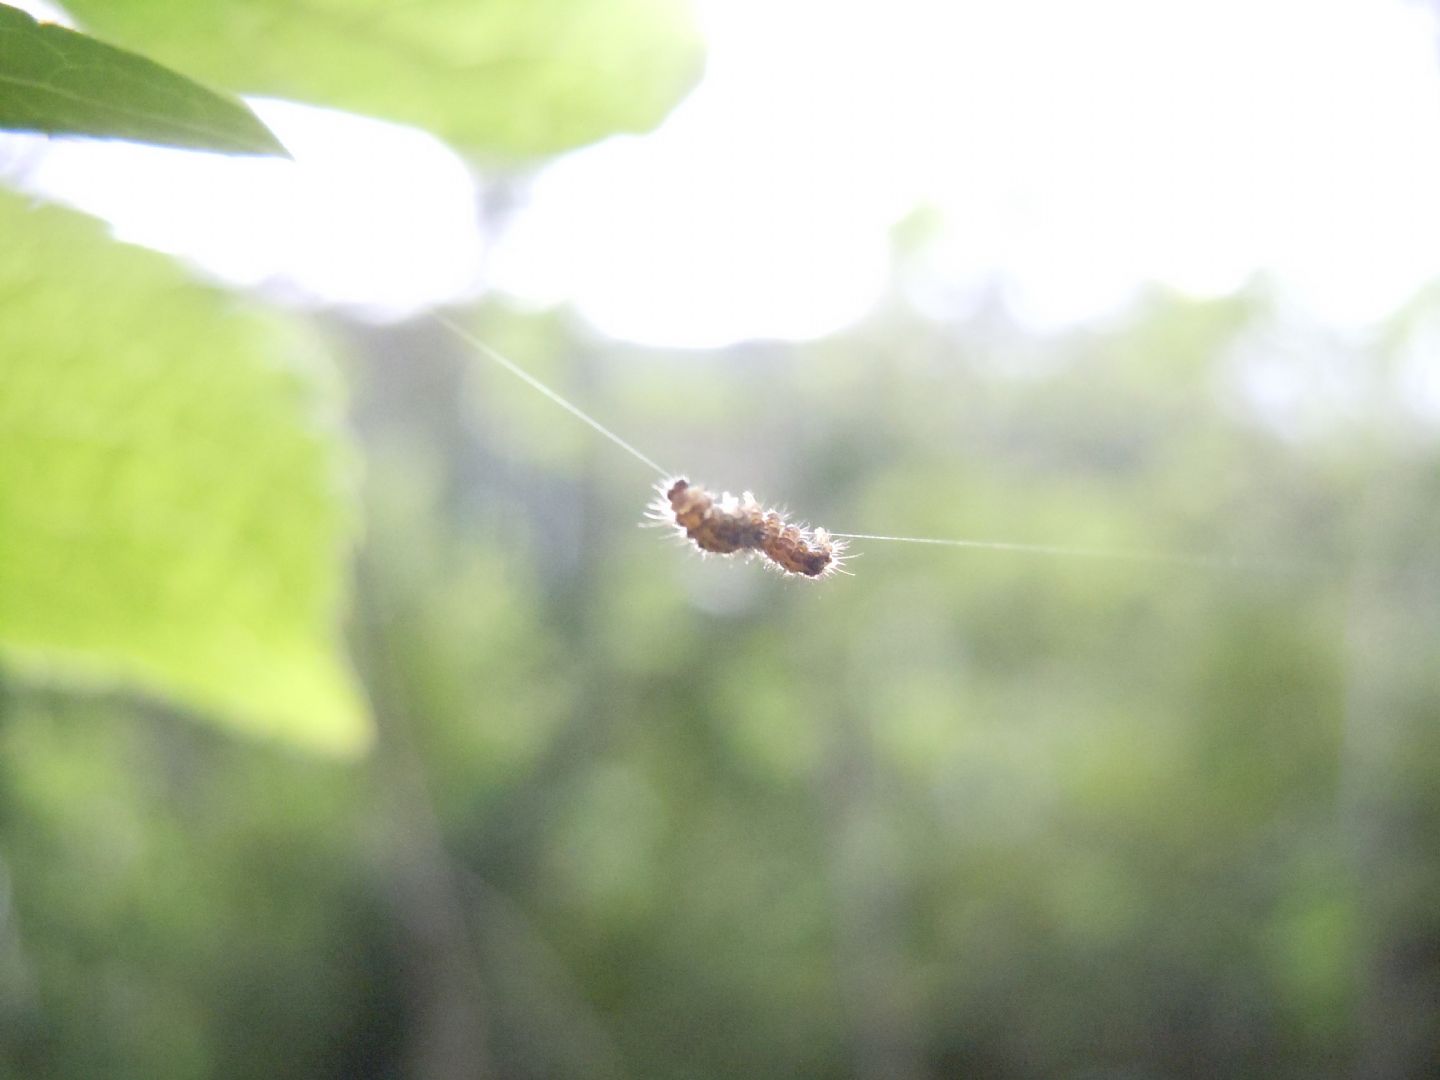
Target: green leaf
<point x="505" y="77"/>
<point x="63" y="83"/>
<point x="176" y="498"/>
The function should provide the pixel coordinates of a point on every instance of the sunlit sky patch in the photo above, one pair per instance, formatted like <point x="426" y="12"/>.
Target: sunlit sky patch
<point x="1069" y="152"/>
<point x="376" y="217"/>
<point x="1073" y="152"/>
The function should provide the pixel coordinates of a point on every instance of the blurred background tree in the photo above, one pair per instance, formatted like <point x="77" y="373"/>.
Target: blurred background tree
<point x="630" y="813"/>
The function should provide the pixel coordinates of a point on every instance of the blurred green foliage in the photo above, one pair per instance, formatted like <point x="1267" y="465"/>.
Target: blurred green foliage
<point x="969" y="813"/>
<point x="637" y="814"/>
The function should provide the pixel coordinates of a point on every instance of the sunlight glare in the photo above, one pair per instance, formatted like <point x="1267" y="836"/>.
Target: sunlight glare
<point x="1071" y="154"/>
<point x="379" y="218"/>
<point x="1075" y="152"/>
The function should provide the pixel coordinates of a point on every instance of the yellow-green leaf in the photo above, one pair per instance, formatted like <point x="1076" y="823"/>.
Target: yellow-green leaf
<point x="503" y="77"/>
<point x="175" y="490"/>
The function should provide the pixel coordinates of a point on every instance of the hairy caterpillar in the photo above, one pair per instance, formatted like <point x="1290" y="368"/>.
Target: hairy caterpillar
<point x="728" y="525"/>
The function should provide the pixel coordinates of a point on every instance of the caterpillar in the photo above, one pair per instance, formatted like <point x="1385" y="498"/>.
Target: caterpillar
<point x="728" y="525"/>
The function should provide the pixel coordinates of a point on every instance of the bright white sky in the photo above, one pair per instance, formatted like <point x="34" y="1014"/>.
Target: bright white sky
<point x="1072" y="152"/>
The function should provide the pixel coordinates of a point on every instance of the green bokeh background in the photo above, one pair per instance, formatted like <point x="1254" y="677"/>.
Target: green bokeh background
<point x="634" y="814"/>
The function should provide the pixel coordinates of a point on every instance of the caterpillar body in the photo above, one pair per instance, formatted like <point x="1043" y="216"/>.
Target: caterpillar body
<point x="728" y="525"/>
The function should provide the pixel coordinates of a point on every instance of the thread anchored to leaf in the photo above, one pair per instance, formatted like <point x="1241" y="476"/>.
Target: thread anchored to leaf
<point x="729" y="525"/>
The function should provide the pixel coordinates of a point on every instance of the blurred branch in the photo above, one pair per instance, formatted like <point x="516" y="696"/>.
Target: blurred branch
<point x="450" y="1032"/>
<point x="1389" y="805"/>
<point x="567" y="1037"/>
<point x="869" y="922"/>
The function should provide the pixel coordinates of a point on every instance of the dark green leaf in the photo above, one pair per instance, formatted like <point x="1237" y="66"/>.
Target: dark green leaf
<point x="60" y="82"/>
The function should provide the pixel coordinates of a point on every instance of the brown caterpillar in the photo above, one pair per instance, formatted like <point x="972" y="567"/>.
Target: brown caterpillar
<point x="728" y="525"/>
